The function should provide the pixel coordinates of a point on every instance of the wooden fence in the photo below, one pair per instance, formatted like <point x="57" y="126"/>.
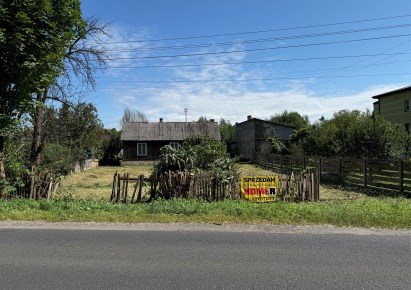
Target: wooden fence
<point x="199" y="185"/>
<point x="172" y="185"/>
<point x="85" y="165"/>
<point x="303" y="186"/>
<point x="380" y="174"/>
<point x="121" y="185"/>
<point x="35" y="186"/>
<point x="205" y="186"/>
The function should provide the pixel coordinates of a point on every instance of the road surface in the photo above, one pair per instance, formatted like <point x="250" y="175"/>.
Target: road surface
<point x="179" y="256"/>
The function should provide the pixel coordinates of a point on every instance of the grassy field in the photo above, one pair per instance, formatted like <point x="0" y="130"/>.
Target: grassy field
<point x="84" y="197"/>
<point x="96" y="183"/>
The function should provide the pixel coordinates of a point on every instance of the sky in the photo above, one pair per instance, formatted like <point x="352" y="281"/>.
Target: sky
<point x="233" y="58"/>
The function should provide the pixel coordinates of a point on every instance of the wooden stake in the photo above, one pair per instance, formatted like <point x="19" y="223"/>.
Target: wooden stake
<point x="140" y="189"/>
<point x="134" y="191"/>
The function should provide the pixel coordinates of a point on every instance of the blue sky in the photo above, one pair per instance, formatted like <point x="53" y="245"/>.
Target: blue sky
<point x="233" y="58"/>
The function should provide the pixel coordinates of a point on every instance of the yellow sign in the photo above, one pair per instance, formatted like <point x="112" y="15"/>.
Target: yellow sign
<point x="259" y="188"/>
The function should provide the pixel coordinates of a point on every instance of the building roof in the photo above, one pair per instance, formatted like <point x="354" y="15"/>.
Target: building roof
<point x="268" y="122"/>
<point x="168" y="131"/>
<point x="404" y="89"/>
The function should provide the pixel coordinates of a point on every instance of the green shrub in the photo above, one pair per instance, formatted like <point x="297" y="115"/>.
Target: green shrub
<point x="199" y="154"/>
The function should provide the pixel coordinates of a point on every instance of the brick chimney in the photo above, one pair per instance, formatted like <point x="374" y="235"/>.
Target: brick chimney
<point x="161" y="120"/>
<point x="249" y="117"/>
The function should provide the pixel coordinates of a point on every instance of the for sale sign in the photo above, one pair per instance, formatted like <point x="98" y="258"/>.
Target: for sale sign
<point x="259" y="188"/>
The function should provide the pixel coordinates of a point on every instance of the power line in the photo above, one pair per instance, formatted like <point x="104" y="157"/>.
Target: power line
<point x="205" y="45"/>
<point x="250" y="79"/>
<point x="256" y="62"/>
<point x="262" y="31"/>
<point x="261" y="49"/>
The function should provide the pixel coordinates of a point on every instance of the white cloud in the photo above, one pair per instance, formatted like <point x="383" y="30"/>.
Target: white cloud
<point x="232" y="101"/>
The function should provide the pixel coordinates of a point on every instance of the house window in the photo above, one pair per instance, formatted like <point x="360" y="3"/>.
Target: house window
<point x="407" y="127"/>
<point x="141" y="149"/>
<point x="175" y="145"/>
<point x="406" y="105"/>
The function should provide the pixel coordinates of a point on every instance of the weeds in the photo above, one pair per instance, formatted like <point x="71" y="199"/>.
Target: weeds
<point x="363" y="212"/>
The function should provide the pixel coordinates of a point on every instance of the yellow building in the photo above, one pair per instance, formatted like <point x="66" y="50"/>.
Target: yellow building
<point x="394" y="106"/>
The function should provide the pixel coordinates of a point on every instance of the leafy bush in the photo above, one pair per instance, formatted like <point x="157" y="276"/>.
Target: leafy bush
<point x="56" y="159"/>
<point x="351" y="133"/>
<point x="111" y="147"/>
<point x="200" y="154"/>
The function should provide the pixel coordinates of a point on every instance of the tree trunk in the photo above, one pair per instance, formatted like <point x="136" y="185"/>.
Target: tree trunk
<point x="37" y="143"/>
<point x="2" y="170"/>
<point x="2" y="142"/>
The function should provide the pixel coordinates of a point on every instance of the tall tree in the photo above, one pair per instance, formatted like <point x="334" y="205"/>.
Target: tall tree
<point x="34" y="35"/>
<point x="76" y="128"/>
<point x="130" y="116"/>
<point x="81" y="60"/>
<point x="354" y="134"/>
<point x="202" y="119"/>
<point x="290" y="118"/>
<point x="227" y="133"/>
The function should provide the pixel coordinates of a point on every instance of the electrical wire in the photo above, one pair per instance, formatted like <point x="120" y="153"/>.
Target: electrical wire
<point x="264" y="31"/>
<point x="248" y="79"/>
<point x="260" y="49"/>
<point x="256" y="62"/>
<point x="206" y="45"/>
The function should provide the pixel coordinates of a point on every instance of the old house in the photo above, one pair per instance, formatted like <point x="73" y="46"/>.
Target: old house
<point x="394" y="106"/>
<point x="143" y="140"/>
<point x="252" y="136"/>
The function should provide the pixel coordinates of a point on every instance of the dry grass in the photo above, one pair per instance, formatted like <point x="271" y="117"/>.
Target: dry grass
<point x="333" y="192"/>
<point x="97" y="182"/>
<point x="250" y="169"/>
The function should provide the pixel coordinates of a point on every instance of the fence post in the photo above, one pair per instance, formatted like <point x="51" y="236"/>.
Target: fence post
<point x="140" y="187"/>
<point x="401" y="170"/>
<point x="118" y="187"/>
<point x="319" y="168"/>
<point x="340" y="171"/>
<point x="113" y="188"/>
<point x="304" y="162"/>
<point x="126" y="188"/>
<point x="291" y="163"/>
<point x="317" y="186"/>
<point x="365" y="173"/>
<point x="134" y="191"/>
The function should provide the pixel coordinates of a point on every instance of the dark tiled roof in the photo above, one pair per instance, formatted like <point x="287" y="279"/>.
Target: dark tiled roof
<point x="404" y="89"/>
<point x="268" y="122"/>
<point x="168" y="131"/>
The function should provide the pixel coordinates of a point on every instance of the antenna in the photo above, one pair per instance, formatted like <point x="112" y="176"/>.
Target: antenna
<point x="185" y="112"/>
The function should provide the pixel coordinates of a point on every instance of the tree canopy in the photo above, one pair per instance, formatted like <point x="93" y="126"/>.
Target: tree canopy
<point x="132" y="116"/>
<point x="351" y="134"/>
<point x="34" y="37"/>
<point x="290" y="118"/>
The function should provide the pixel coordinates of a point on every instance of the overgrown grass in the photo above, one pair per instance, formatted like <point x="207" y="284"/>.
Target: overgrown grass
<point x="96" y="183"/>
<point x="84" y="197"/>
<point x="391" y="213"/>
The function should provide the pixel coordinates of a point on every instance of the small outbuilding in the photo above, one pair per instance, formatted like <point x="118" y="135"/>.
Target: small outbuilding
<point x="143" y="140"/>
<point x="252" y="136"/>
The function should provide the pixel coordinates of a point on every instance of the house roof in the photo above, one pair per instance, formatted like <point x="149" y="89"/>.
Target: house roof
<point x="168" y="131"/>
<point x="404" y="89"/>
<point x="268" y="122"/>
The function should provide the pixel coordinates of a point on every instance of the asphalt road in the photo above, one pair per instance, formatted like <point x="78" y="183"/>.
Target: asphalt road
<point x="145" y="256"/>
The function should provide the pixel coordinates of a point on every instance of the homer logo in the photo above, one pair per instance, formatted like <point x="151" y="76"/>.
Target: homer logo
<point x="260" y="188"/>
